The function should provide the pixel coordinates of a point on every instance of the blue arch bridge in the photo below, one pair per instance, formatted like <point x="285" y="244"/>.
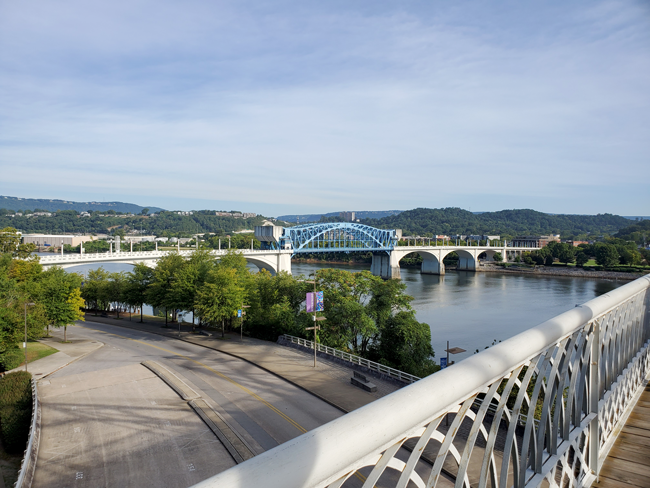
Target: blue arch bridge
<point x="280" y="244"/>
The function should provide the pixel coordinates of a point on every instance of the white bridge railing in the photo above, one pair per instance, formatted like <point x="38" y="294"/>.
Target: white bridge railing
<point x="371" y="365"/>
<point x="575" y="377"/>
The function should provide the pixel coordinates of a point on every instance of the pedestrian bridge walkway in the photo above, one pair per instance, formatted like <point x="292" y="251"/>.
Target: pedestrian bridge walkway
<point x="628" y="463"/>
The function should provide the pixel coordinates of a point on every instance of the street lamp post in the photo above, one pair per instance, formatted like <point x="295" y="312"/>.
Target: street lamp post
<point x="452" y="350"/>
<point x="316" y="319"/>
<point x="31" y="304"/>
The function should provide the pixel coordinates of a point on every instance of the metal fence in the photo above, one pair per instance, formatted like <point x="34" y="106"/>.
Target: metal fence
<point x="574" y="377"/>
<point x="28" y="465"/>
<point x="371" y="365"/>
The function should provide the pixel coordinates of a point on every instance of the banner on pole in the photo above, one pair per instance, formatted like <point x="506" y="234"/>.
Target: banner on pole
<point x="314" y="302"/>
<point x="443" y="363"/>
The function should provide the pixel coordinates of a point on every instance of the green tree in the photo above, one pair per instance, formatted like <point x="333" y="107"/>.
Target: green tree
<point x="581" y="258"/>
<point x="61" y="297"/>
<point x="405" y="343"/>
<point x="220" y="296"/>
<point x="189" y="278"/>
<point x="348" y="325"/>
<point x="159" y="292"/>
<point x="606" y="254"/>
<point x="497" y="257"/>
<point x="9" y="240"/>
<point x="135" y="288"/>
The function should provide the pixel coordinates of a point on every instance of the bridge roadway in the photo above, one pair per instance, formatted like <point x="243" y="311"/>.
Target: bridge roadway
<point x="384" y="264"/>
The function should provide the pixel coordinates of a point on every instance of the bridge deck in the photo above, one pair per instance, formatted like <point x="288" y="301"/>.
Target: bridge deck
<point x="628" y="463"/>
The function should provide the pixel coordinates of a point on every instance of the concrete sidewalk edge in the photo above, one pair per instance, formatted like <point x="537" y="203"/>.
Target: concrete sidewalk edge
<point x="101" y="344"/>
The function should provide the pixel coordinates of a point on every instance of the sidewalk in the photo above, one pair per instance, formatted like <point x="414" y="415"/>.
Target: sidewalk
<point x="68" y="352"/>
<point x="329" y="382"/>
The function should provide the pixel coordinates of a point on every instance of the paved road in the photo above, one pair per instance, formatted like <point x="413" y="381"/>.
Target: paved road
<point x="108" y="421"/>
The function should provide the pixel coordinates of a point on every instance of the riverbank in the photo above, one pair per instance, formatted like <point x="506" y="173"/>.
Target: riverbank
<point x="556" y="271"/>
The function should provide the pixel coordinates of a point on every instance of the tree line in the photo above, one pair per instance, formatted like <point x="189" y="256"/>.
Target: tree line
<point x="608" y="253"/>
<point x="427" y="222"/>
<point x="29" y="295"/>
<point x="365" y="315"/>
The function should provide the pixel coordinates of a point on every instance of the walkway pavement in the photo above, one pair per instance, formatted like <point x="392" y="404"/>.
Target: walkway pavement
<point x="628" y="463"/>
<point x="69" y="352"/>
<point x="329" y="382"/>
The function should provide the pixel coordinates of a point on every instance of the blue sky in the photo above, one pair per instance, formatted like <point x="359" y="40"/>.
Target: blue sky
<point x="299" y="107"/>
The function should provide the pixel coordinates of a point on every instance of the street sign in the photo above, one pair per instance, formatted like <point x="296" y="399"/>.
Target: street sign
<point x="443" y="363"/>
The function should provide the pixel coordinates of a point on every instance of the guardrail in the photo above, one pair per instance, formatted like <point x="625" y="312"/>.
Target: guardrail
<point x="28" y="464"/>
<point x="371" y="365"/>
<point x="576" y="377"/>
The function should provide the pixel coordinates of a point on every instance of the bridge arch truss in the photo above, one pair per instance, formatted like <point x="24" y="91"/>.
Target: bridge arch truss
<point x="339" y="237"/>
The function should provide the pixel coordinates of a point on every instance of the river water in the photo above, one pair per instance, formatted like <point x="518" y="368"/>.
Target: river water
<point x="471" y="310"/>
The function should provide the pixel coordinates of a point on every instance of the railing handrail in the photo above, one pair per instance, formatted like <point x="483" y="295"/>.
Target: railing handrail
<point x="358" y="360"/>
<point x="323" y="455"/>
<point x="29" y="458"/>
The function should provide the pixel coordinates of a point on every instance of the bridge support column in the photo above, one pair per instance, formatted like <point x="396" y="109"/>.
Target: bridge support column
<point x="284" y="262"/>
<point x="431" y="266"/>
<point x="466" y="263"/>
<point x="385" y="265"/>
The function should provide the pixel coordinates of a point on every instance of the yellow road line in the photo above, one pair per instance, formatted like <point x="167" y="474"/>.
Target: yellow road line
<point x="242" y="387"/>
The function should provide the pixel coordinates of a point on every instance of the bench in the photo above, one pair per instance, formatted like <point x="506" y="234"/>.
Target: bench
<point x="362" y="382"/>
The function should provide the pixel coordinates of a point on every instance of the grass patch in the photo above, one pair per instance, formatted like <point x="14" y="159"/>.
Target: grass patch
<point x="38" y="350"/>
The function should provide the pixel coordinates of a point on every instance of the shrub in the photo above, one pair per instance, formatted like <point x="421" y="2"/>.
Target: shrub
<point x="10" y="359"/>
<point x="15" y="410"/>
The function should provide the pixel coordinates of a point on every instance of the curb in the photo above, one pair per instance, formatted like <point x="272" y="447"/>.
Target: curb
<point x="101" y="344"/>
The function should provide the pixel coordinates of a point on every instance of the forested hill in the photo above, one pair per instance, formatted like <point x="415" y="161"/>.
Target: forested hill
<point x="429" y="221"/>
<point x="162" y="224"/>
<point x="47" y="205"/>
<point x="361" y="214"/>
<point x="638" y="232"/>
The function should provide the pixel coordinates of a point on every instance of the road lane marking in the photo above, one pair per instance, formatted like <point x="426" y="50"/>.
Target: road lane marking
<point x="227" y="378"/>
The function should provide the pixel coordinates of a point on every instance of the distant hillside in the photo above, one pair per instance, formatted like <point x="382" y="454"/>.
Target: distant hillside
<point x="638" y="232"/>
<point x="14" y="203"/>
<point x="362" y="214"/>
<point x="422" y="221"/>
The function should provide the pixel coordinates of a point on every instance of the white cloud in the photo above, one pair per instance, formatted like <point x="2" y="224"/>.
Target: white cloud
<point x="328" y="107"/>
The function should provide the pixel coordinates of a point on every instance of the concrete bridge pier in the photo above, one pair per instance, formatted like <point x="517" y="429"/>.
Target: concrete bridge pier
<point x="466" y="262"/>
<point x="385" y="265"/>
<point x="432" y="266"/>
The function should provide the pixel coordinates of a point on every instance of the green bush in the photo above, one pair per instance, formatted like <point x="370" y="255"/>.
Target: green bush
<point x="15" y="410"/>
<point x="10" y="359"/>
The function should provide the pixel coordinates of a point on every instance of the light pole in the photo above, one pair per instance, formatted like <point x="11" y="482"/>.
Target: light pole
<point x="452" y="350"/>
<point x="315" y="309"/>
<point x="31" y="304"/>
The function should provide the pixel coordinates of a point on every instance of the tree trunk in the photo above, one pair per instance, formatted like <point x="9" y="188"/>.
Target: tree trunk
<point x="141" y="307"/>
<point x="192" y="320"/>
<point x="166" y="315"/>
<point x="130" y="312"/>
<point x="223" y="332"/>
<point x="65" y="333"/>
